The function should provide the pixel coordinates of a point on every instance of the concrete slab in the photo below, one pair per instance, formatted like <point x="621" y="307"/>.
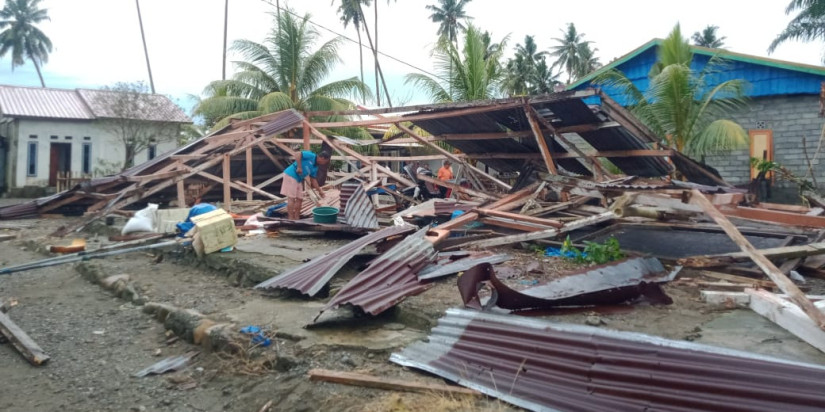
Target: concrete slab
<point x="748" y="331"/>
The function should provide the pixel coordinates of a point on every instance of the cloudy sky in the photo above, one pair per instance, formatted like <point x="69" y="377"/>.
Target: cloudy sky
<point x="97" y="42"/>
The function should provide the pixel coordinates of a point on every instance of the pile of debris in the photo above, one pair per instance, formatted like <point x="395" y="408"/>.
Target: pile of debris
<point x="556" y="148"/>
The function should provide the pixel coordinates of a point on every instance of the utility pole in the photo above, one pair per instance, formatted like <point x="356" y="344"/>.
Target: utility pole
<point x="145" y="50"/>
<point x="225" y="25"/>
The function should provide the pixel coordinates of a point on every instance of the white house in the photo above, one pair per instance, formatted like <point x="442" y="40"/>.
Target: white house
<point x="45" y="131"/>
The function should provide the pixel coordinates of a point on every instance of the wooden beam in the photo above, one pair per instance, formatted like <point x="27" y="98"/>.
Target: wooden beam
<point x="626" y="119"/>
<point x="396" y="176"/>
<point x="306" y="136"/>
<point x="784" y="252"/>
<point x="358" y="379"/>
<point x="520" y="217"/>
<point x="456" y="187"/>
<point x="782" y="281"/>
<point x="543" y="234"/>
<point x="595" y="166"/>
<point x="765" y="284"/>
<point x="417" y="117"/>
<point x="512" y="224"/>
<point x="584" y="128"/>
<point x="250" y="189"/>
<point x="788" y="316"/>
<point x="483" y="136"/>
<point x="187" y="157"/>
<point x="546" y="154"/>
<point x="217" y="179"/>
<point x="508" y="202"/>
<point x="227" y="188"/>
<point x="21" y="341"/>
<point x="775" y="216"/>
<point x="269" y="181"/>
<point x="451" y="156"/>
<point x="277" y="162"/>
<point x="250" y="180"/>
<point x="340" y="148"/>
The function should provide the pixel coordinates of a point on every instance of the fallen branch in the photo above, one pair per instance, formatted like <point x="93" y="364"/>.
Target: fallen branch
<point x="22" y="342"/>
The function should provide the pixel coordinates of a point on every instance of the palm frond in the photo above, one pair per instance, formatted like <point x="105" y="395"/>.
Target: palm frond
<point x="719" y="136"/>
<point x="429" y="87"/>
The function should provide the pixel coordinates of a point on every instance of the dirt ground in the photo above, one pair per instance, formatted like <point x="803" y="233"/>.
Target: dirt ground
<point x="97" y="341"/>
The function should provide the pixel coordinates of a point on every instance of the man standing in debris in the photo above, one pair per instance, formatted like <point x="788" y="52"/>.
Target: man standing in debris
<point x="306" y="164"/>
<point x="445" y="173"/>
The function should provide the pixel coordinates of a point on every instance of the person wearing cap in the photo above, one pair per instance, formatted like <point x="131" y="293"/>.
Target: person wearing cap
<point x="445" y="173"/>
<point x="305" y="165"/>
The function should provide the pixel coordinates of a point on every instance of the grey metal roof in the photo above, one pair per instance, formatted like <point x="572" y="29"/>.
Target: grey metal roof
<point x="81" y="104"/>
<point x="357" y="207"/>
<point x="544" y="366"/>
<point x="42" y="102"/>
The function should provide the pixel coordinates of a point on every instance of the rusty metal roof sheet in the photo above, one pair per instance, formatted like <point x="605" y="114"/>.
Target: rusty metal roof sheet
<point x="153" y="107"/>
<point x="544" y="366"/>
<point x="357" y="207"/>
<point x="310" y="277"/>
<point x="16" y="101"/>
<point x="389" y="278"/>
<point x="607" y="284"/>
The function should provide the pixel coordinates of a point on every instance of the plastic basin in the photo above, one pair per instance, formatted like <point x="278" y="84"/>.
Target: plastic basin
<point x="325" y="214"/>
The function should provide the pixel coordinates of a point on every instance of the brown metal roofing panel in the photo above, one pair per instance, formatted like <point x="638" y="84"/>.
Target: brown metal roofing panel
<point x="607" y="284"/>
<point x="544" y="366"/>
<point x="153" y="107"/>
<point x="390" y="278"/>
<point x="43" y="103"/>
<point x="310" y="277"/>
<point x="359" y="210"/>
<point x="286" y="120"/>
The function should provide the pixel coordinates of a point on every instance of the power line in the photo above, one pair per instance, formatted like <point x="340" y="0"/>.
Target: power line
<point x="363" y="46"/>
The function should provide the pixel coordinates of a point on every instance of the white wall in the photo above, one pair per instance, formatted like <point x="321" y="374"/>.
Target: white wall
<point x="105" y="146"/>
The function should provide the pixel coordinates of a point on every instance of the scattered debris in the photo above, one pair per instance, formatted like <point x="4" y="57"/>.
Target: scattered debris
<point x="21" y="341"/>
<point x="169" y="364"/>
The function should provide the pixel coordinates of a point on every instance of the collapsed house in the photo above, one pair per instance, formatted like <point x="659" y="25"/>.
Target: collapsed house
<point x="540" y="169"/>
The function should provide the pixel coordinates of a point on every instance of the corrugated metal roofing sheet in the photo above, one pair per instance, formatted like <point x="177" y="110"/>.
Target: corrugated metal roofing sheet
<point x="310" y="277"/>
<point x="18" y="101"/>
<point x="153" y="107"/>
<point x="390" y="277"/>
<point x="358" y="209"/>
<point x="543" y="366"/>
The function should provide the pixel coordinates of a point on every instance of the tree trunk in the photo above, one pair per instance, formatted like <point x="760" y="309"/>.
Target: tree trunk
<point x="375" y="51"/>
<point x="145" y="50"/>
<point x="225" y="25"/>
<point x="375" y="56"/>
<point x="361" y="59"/>
<point x="40" y="75"/>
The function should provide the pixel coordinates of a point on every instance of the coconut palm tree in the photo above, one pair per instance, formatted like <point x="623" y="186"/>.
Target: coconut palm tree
<point x="709" y="38"/>
<point x="449" y="16"/>
<point x="466" y="74"/>
<point x="20" y="35"/>
<point x="350" y="11"/>
<point x="568" y="51"/>
<point x="807" y="26"/>
<point x="684" y="106"/>
<point x="587" y="61"/>
<point x="284" y="72"/>
<point x="521" y="75"/>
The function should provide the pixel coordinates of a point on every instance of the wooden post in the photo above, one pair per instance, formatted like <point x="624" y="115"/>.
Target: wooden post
<point x="782" y="282"/>
<point x="27" y="347"/>
<point x="249" y="179"/>
<point x="594" y="164"/>
<point x="227" y="189"/>
<point x="181" y="194"/>
<point x="546" y="154"/>
<point x="307" y="132"/>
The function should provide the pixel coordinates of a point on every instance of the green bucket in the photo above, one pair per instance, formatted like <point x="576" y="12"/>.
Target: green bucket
<point x="325" y="214"/>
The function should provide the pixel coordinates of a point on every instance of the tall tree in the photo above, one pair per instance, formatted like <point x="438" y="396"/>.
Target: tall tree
<point x="522" y="72"/>
<point x="688" y="108"/>
<point x="281" y="73"/>
<point x="449" y="16"/>
<point x="709" y="38"/>
<point x="808" y="25"/>
<point x="587" y="60"/>
<point x="464" y="74"/>
<point x="21" y="36"/>
<point x="225" y="28"/>
<point x="145" y="49"/>
<point x="350" y="11"/>
<point x="568" y="51"/>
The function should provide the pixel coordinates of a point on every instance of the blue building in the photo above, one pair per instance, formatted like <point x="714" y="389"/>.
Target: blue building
<point x="785" y="107"/>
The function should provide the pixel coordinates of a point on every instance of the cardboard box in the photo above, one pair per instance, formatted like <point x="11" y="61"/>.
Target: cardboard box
<point x="215" y="231"/>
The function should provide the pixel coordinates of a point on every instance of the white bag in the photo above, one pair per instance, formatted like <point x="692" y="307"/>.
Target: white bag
<point x="143" y="221"/>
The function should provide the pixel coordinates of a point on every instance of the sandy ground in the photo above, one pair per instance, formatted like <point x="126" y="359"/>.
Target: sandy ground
<point x="97" y="342"/>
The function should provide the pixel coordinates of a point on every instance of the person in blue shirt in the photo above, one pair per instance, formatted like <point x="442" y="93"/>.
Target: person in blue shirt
<point x="305" y="165"/>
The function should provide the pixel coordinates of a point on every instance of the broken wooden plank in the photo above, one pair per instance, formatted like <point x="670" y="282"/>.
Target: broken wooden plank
<point x="775" y="216"/>
<point x="379" y="382"/>
<point x="543" y="234"/>
<point x="22" y="342"/>
<point x="508" y="202"/>
<point x="782" y="281"/>
<point x="456" y="187"/>
<point x="789" y="316"/>
<point x="522" y="218"/>
<point x="785" y="252"/>
<point x="765" y="284"/>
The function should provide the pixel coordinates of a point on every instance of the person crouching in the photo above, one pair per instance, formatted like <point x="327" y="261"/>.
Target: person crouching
<point x="305" y="165"/>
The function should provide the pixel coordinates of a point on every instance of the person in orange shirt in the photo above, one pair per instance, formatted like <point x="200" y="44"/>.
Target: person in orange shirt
<point x="445" y="173"/>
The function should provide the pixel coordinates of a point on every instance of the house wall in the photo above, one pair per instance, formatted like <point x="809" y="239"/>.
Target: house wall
<point x="105" y="146"/>
<point x="790" y="118"/>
